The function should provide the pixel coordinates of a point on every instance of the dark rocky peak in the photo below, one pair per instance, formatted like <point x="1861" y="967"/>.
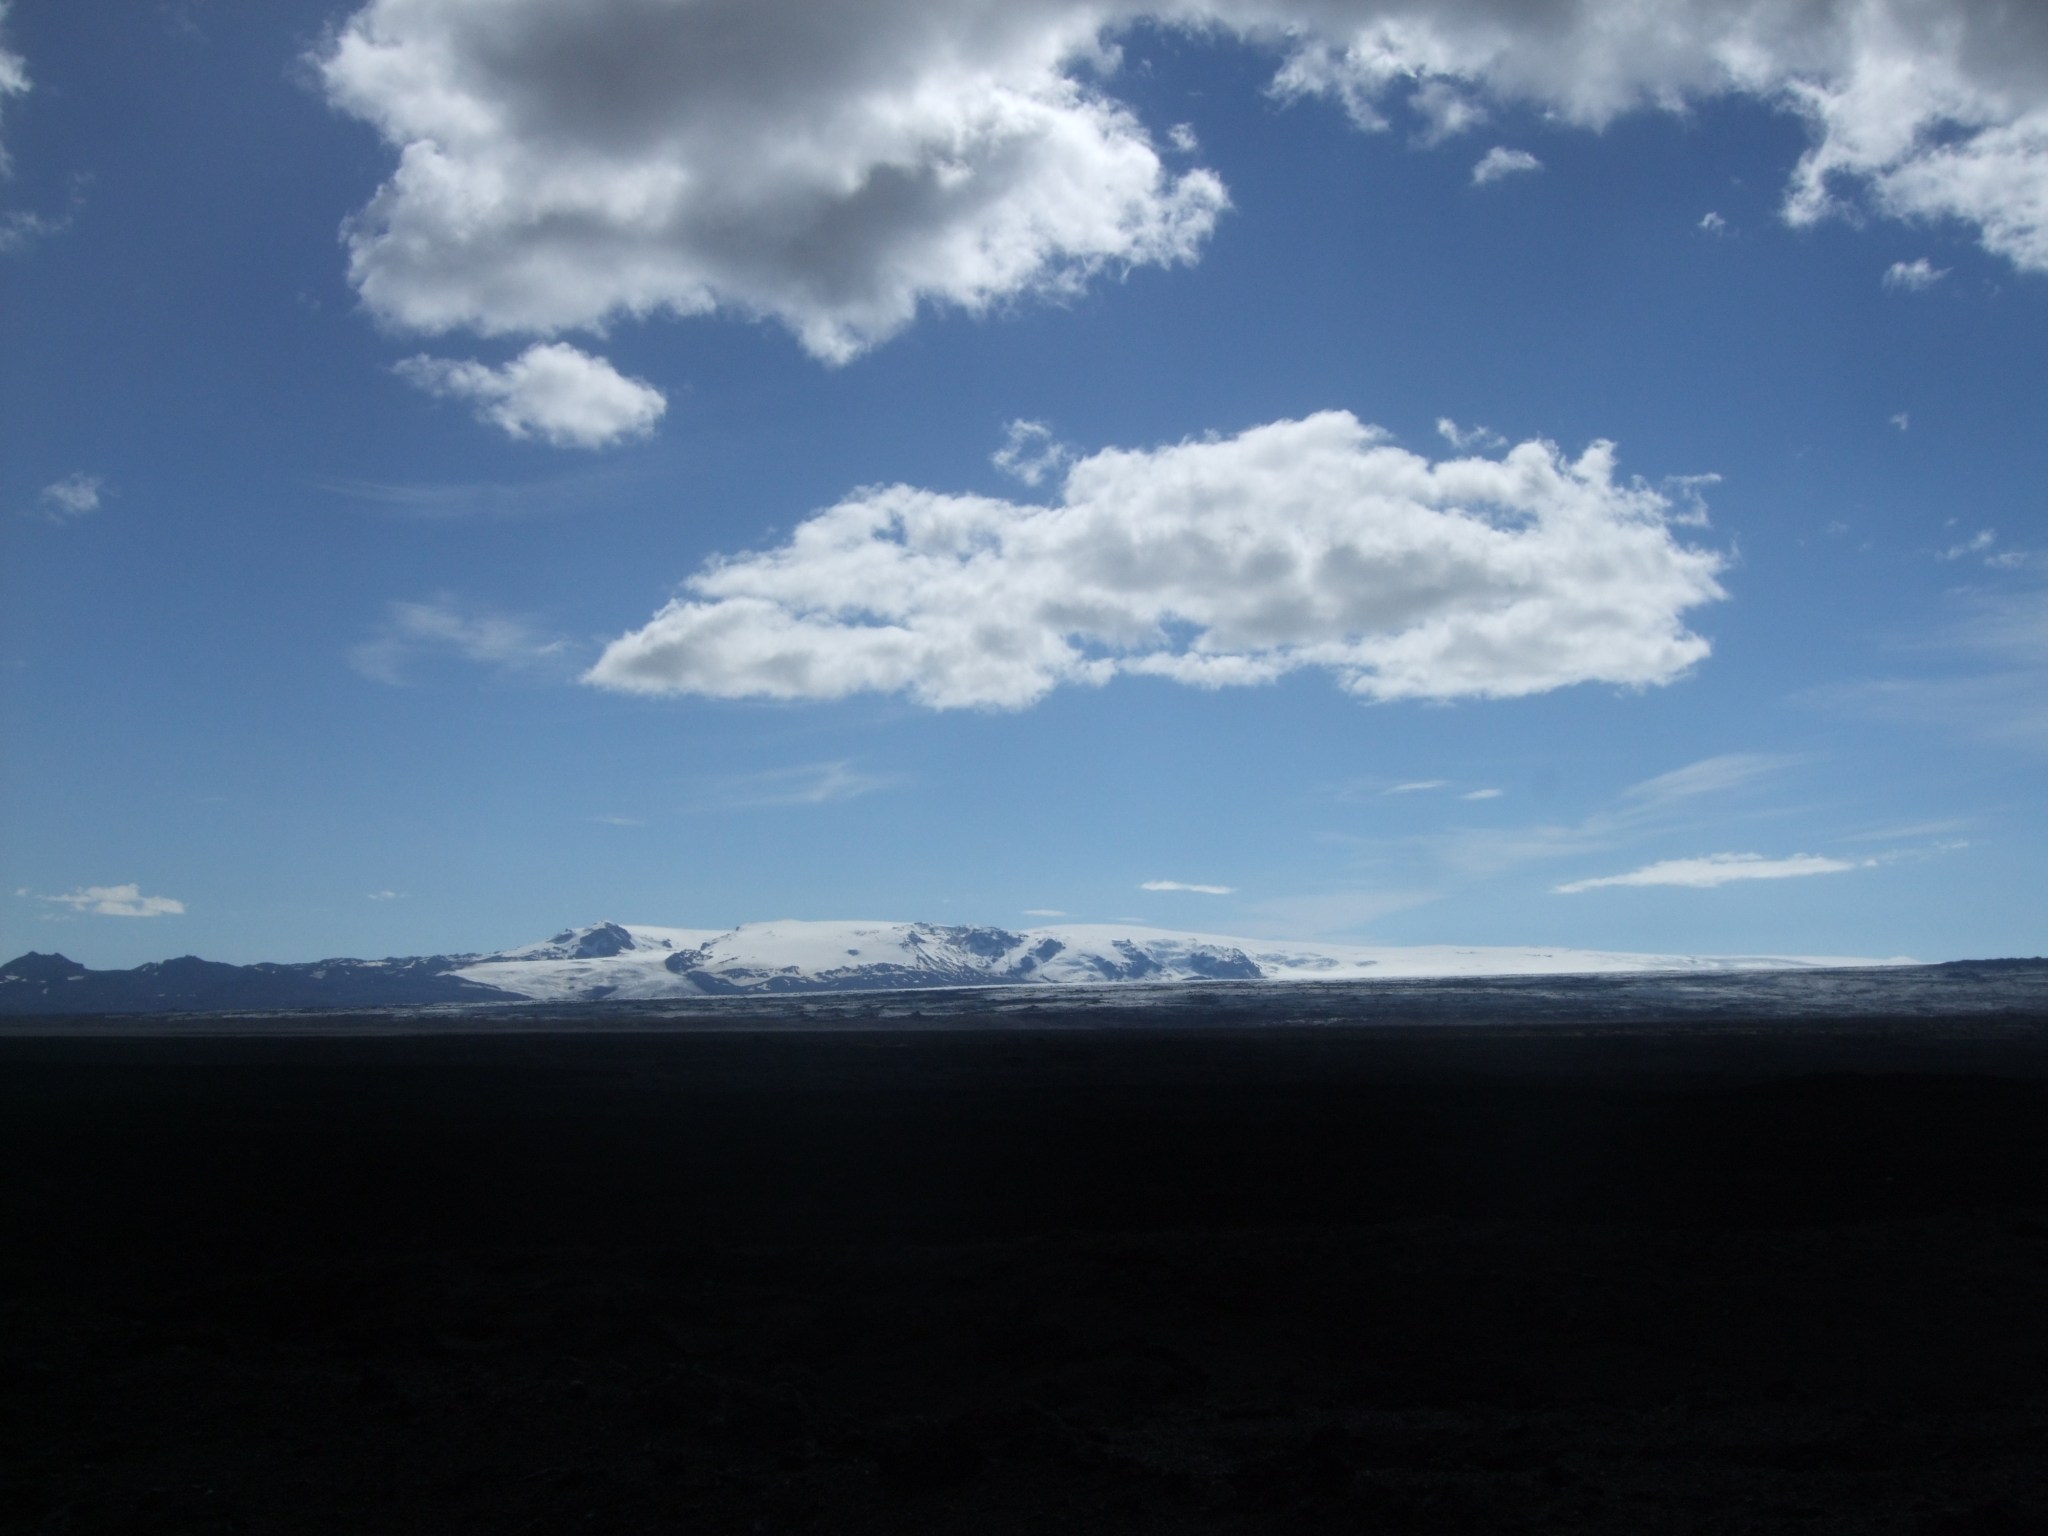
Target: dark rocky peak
<point x="600" y="942"/>
<point x="989" y="943"/>
<point x="35" y="966"/>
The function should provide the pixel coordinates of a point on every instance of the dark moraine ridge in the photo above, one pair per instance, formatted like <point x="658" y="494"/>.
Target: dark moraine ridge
<point x="1687" y="1273"/>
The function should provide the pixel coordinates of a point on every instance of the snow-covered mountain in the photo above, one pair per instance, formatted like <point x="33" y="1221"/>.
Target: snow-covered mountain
<point x="634" y="961"/>
<point x="631" y="961"/>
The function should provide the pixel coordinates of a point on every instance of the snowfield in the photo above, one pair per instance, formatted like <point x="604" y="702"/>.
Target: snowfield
<point x="636" y="961"/>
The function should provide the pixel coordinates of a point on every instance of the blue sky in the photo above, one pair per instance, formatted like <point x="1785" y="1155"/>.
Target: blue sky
<point x="469" y="469"/>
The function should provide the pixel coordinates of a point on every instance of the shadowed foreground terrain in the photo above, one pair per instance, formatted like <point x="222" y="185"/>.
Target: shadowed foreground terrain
<point x="1711" y="1277"/>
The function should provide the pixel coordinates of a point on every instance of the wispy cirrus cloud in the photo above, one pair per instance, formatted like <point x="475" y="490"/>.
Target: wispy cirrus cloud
<point x="1329" y="914"/>
<point x="1716" y="869"/>
<point x="824" y="783"/>
<point x="570" y="491"/>
<point x="1703" y="796"/>
<point x="1983" y="673"/>
<point x="1709" y="776"/>
<point x="444" y="626"/>
<point x="1188" y="887"/>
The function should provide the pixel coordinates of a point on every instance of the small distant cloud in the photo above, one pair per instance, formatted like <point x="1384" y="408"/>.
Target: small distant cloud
<point x="1182" y="137"/>
<point x="1713" y="223"/>
<point x="1030" y="452"/>
<point x="617" y="821"/>
<point x="1483" y="438"/>
<point x="114" y="901"/>
<point x="804" y="784"/>
<point x="1716" y="869"/>
<point x="551" y="391"/>
<point x="1182" y="885"/>
<point x="1483" y="794"/>
<point x="1500" y="161"/>
<point x="21" y="228"/>
<point x="76" y="495"/>
<point x="14" y="81"/>
<point x="540" y="496"/>
<point x="1043" y="912"/>
<point x="1974" y="545"/>
<point x="1913" y="276"/>
<point x="1902" y="420"/>
<point x="387" y="895"/>
<point x="1896" y="832"/>
<point x="1415" y="786"/>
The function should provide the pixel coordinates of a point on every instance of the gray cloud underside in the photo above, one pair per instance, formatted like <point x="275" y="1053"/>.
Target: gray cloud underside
<point x="1301" y="544"/>
<point x="838" y="167"/>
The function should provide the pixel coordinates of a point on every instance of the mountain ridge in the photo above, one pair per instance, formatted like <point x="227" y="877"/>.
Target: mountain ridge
<point x="632" y="962"/>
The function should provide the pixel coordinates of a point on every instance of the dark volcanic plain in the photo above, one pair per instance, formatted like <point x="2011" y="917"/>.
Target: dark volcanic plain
<point x="1221" y="1261"/>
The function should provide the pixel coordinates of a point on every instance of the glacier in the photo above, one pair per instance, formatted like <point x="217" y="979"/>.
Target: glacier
<point x="630" y="961"/>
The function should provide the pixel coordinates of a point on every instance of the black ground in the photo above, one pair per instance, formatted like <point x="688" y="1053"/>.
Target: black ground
<point x="1714" y="1278"/>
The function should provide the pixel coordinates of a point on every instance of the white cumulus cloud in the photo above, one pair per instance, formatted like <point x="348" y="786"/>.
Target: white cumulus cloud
<point x="75" y="495"/>
<point x="551" y="391"/>
<point x="1500" y="161"/>
<point x="116" y="901"/>
<point x="833" y="167"/>
<point x="1716" y="869"/>
<point x="838" y="168"/>
<point x="1301" y="544"/>
<point x="1183" y="885"/>
<point x="1916" y="110"/>
<point x="1913" y="275"/>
